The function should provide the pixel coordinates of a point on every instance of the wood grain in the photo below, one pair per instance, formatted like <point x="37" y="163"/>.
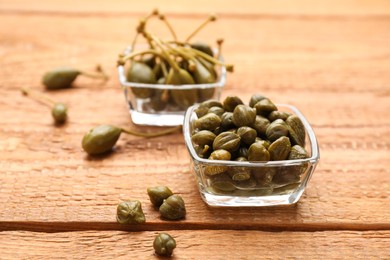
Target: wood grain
<point x="331" y="59"/>
<point x="192" y="244"/>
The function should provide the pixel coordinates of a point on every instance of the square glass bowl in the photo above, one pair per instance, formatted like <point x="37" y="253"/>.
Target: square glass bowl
<point x="165" y="105"/>
<point x="271" y="183"/>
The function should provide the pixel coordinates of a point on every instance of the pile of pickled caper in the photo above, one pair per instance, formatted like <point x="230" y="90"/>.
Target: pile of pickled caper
<point x="172" y="62"/>
<point x="258" y="132"/>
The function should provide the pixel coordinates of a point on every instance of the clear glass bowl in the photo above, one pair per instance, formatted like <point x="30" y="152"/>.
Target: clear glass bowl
<point x="271" y="183"/>
<point x="150" y="110"/>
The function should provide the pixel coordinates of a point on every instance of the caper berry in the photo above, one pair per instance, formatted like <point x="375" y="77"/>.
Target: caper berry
<point x="203" y="137"/>
<point x="277" y="129"/>
<point x="255" y="98"/>
<point x="257" y="152"/>
<point x="59" y="78"/>
<point x="130" y="212"/>
<point x="227" y="120"/>
<point x="208" y="122"/>
<point x="264" y="107"/>
<point x="164" y="244"/>
<point x="230" y="103"/>
<point x="247" y="134"/>
<point x="173" y="208"/>
<point x="158" y="194"/>
<point x="280" y="149"/>
<point x="228" y="141"/>
<point x="59" y="113"/>
<point x="244" y="115"/>
<point x="101" y="139"/>
<point x="296" y="129"/>
<point x="217" y="110"/>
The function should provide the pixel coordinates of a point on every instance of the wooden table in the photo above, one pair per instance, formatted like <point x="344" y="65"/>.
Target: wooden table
<point x="329" y="58"/>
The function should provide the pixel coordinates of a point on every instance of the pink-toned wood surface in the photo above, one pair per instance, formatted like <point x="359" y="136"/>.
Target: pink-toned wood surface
<point x="331" y="59"/>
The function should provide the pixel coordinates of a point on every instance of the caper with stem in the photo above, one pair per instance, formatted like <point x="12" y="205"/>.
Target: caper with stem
<point x="59" y="111"/>
<point x="103" y="138"/>
<point x="63" y="77"/>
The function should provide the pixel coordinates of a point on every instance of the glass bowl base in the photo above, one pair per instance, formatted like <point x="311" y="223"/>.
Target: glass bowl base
<point x="247" y="201"/>
<point x="171" y="119"/>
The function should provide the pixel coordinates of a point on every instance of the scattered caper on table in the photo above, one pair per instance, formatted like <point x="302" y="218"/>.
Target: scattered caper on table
<point x="130" y="212"/>
<point x="63" y="77"/>
<point x="173" y="208"/>
<point x="59" y="111"/>
<point x="103" y="138"/>
<point x="158" y="194"/>
<point x="164" y="244"/>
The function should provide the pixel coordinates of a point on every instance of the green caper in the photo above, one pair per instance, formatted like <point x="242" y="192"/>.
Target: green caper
<point x="263" y="176"/>
<point x="211" y="103"/>
<point x="141" y="73"/>
<point x="164" y="244"/>
<point x="222" y="182"/>
<point x="244" y="115"/>
<point x="227" y="120"/>
<point x="101" y="139"/>
<point x="217" y="169"/>
<point x="228" y="141"/>
<point x="203" y="137"/>
<point x="230" y="103"/>
<point x="242" y="152"/>
<point x="158" y="194"/>
<point x="264" y="143"/>
<point x="260" y="125"/>
<point x="201" y="111"/>
<point x="59" y="113"/>
<point x="264" y="107"/>
<point x="249" y="183"/>
<point x="203" y="47"/>
<point x="209" y="122"/>
<point x="278" y="115"/>
<point x="257" y="152"/>
<point x="280" y="149"/>
<point x="238" y="173"/>
<point x="276" y="129"/>
<point x="248" y="135"/>
<point x="173" y="208"/>
<point x="298" y="152"/>
<point x="255" y="98"/>
<point x="217" y="110"/>
<point x="130" y="212"/>
<point x="184" y="98"/>
<point x="159" y="99"/>
<point x="296" y="129"/>
<point x="60" y="78"/>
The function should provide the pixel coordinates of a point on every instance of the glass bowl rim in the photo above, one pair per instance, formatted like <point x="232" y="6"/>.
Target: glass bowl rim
<point x="123" y="81"/>
<point x="315" y="153"/>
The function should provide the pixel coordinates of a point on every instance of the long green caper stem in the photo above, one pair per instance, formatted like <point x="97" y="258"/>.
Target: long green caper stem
<point x="38" y="97"/>
<point x="156" y="134"/>
<point x="99" y="75"/>
<point x="165" y="53"/>
<point x="211" y="18"/>
<point x="170" y="28"/>
<point x="164" y="69"/>
<point x="219" y="43"/>
<point x="141" y="27"/>
<point x="123" y="59"/>
<point x="229" y="67"/>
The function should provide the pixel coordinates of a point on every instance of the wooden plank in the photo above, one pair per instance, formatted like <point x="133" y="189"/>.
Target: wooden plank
<point x="245" y="7"/>
<point x="58" y="185"/>
<point x="205" y="244"/>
